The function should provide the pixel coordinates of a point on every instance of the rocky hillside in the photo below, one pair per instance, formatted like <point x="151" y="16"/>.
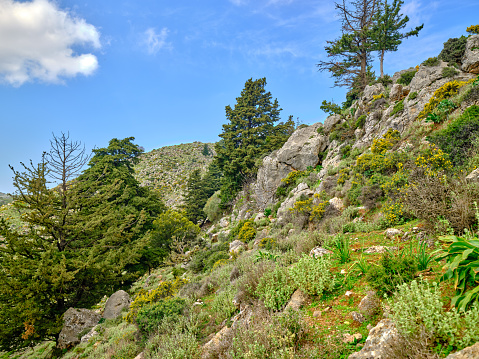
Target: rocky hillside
<point x="333" y="251"/>
<point x="167" y="169"/>
<point x="4" y="198"/>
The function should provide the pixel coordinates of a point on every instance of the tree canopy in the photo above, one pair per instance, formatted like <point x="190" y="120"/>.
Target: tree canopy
<point x="80" y="243"/>
<point x="252" y="131"/>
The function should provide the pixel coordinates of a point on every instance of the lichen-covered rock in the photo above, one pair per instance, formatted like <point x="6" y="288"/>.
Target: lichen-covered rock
<point x="336" y="203"/>
<point x="358" y="317"/>
<point x="224" y="222"/>
<point x="237" y="246"/>
<point x="471" y="352"/>
<point x="369" y="305"/>
<point x="319" y="252"/>
<point x="92" y="333"/>
<point x="330" y="122"/>
<point x="378" y="249"/>
<point x="398" y="92"/>
<point x="372" y="90"/>
<point x="74" y="322"/>
<point x="473" y="177"/>
<point x="115" y="304"/>
<point x="380" y="339"/>
<point x="297" y="300"/>
<point x="392" y="232"/>
<point x="298" y="153"/>
<point x="470" y="59"/>
<point x="426" y="75"/>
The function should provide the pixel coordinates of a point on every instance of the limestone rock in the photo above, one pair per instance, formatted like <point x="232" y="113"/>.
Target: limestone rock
<point x="471" y="352"/>
<point x="92" y="333"/>
<point x="215" y="342"/>
<point x="336" y="203"/>
<point x="74" y="322"/>
<point x="297" y="300"/>
<point x="301" y="189"/>
<point x="470" y="59"/>
<point x="298" y="153"/>
<point x="392" y="232"/>
<point x="140" y="356"/>
<point x="224" y="222"/>
<point x="237" y="246"/>
<point x="369" y="305"/>
<point x="473" y="177"/>
<point x="426" y="76"/>
<point x="358" y="317"/>
<point x="319" y="252"/>
<point x="259" y="217"/>
<point x="382" y="336"/>
<point x="372" y="90"/>
<point x="378" y="249"/>
<point x="348" y="338"/>
<point x="330" y="122"/>
<point x="398" y="74"/>
<point x="115" y="304"/>
<point x="398" y="92"/>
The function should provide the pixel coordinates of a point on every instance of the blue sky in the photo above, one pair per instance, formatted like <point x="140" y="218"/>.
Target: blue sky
<point x="163" y="71"/>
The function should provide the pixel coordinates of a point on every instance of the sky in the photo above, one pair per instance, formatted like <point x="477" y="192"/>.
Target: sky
<point x="163" y="71"/>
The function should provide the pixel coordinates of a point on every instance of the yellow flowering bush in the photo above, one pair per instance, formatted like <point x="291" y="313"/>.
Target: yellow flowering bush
<point x="377" y="97"/>
<point x="473" y="29"/>
<point x="220" y="263"/>
<point x="247" y="232"/>
<point x="343" y="175"/>
<point x="393" y="213"/>
<point x="382" y="145"/>
<point x="445" y="91"/>
<point x="394" y="183"/>
<point x="307" y="206"/>
<point x="433" y="160"/>
<point x="166" y="289"/>
<point x="292" y="177"/>
<point x="267" y="243"/>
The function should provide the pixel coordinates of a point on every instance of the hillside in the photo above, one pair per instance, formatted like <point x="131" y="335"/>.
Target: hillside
<point x="4" y="198"/>
<point x="167" y="169"/>
<point x="336" y="250"/>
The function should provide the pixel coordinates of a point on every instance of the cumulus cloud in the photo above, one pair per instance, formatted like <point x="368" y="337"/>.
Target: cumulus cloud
<point x="155" y="41"/>
<point x="37" y="40"/>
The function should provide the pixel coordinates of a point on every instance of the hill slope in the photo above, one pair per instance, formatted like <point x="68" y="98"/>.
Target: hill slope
<point x="167" y="169"/>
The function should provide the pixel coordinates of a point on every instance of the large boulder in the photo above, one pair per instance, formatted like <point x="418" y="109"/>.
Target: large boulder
<point x="330" y="122"/>
<point x="380" y="339"/>
<point x="398" y="92"/>
<point x="237" y="246"/>
<point x="298" y="153"/>
<point x="115" y="304"/>
<point x="75" y="321"/>
<point x="470" y="59"/>
<point x="471" y="352"/>
<point x="297" y="300"/>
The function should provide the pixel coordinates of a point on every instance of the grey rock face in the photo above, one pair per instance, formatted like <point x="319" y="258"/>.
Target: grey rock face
<point x="470" y="59"/>
<point x="330" y="122"/>
<point x="319" y="252"/>
<point x="370" y="91"/>
<point x="382" y="336"/>
<point x="471" y="352"/>
<point x="426" y="76"/>
<point x="473" y="177"/>
<point x="301" y="189"/>
<point x="398" y="92"/>
<point x="115" y="304"/>
<point x="298" y="153"/>
<point x="398" y="74"/>
<point x="74" y="322"/>
<point x="236" y="246"/>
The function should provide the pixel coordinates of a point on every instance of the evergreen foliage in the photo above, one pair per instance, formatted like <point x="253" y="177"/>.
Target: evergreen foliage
<point x="385" y="33"/>
<point x="84" y="239"/>
<point x="249" y="134"/>
<point x="453" y="50"/>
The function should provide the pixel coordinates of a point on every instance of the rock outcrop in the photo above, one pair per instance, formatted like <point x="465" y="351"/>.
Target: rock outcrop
<point x="76" y="321"/>
<point x="115" y="304"/>
<point x="470" y="59"/>
<point x="471" y="352"/>
<point x="380" y="339"/>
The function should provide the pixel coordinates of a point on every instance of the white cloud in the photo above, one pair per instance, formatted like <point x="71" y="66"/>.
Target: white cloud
<point x="154" y="41"/>
<point x="36" y="43"/>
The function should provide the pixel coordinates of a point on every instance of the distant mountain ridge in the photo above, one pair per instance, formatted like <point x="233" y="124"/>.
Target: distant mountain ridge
<point x="167" y="169"/>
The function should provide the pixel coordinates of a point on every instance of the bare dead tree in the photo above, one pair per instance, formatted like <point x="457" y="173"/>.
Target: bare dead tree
<point x="65" y="161"/>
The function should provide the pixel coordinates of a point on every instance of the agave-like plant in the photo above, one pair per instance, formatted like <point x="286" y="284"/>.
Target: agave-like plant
<point x="462" y="264"/>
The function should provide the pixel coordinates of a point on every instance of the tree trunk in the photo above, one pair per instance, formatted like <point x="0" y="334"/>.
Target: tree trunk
<point x="381" y="61"/>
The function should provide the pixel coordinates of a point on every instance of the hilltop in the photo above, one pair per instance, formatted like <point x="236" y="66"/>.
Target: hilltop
<point x="167" y="169"/>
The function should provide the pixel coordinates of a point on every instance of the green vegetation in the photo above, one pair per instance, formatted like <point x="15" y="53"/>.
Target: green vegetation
<point x="406" y="78"/>
<point x="430" y="62"/>
<point x="453" y="51"/>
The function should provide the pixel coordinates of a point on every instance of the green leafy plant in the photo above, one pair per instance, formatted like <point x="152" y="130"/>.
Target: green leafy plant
<point x="453" y="51"/>
<point x="341" y="248"/>
<point x="360" y="122"/>
<point x="423" y="258"/>
<point x="267" y="212"/>
<point x="430" y="62"/>
<point x="412" y="96"/>
<point x="391" y="271"/>
<point x="462" y="265"/>
<point x="260" y="255"/>
<point x="330" y="108"/>
<point x="449" y="72"/>
<point x="275" y="288"/>
<point x="362" y="265"/>
<point x="406" y="78"/>
<point x="313" y="275"/>
<point x="398" y="107"/>
<point x="151" y="315"/>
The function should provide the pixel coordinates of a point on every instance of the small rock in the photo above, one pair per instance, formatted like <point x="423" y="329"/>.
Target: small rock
<point x="198" y="302"/>
<point x="214" y="237"/>
<point x="379" y="249"/>
<point x="224" y="222"/>
<point x="358" y="317"/>
<point x="348" y="338"/>
<point x="237" y="246"/>
<point x="319" y="252"/>
<point x="317" y="313"/>
<point x="348" y="293"/>
<point x="380" y="337"/>
<point x="392" y="232"/>
<point x="336" y="203"/>
<point x="297" y="300"/>
<point x="473" y="177"/>
<point x="343" y="271"/>
<point x="140" y="356"/>
<point x="259" y="217"/>
<point x="92" y="333"/>
<point x="471" y="352"/>
<point x="358" y="336"/>
<point x="369" y="305"/>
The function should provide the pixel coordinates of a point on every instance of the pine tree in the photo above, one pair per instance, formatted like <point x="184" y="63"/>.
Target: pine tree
<point x="249" y="134"/>
<point x="81" y="243"/>
<point x="385" y="32"/>
<point x="350" y="55"/>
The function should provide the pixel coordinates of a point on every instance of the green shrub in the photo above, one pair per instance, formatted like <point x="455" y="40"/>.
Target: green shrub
<point x="212" y="207"/>
<point x="342" y="249"/>
<point x="267" y="243"/>
<point x="330" y="108"/>
<point x="417" y="307"/>
<point x="205" y="259"/>
<point x="462" y="264"/>
<point x="449" y="72"/>
<point x="275" y="288"/>
<point x="453" y="50"/>
<point x="398" y="107"/>
<point x="406" y="78"/>
<point x="456" y="139"/>
<point x="150" y="316"/>
<point x="412" y="96"/>
<point x="313" y="275"/>
<point x="360" y="122"/>
<point x="430" y="62"/>
<point x="222" y="305"/>
<point x="391" y="271"/>
<point x="214" y="257"/>
<point x="385" y="80"/>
